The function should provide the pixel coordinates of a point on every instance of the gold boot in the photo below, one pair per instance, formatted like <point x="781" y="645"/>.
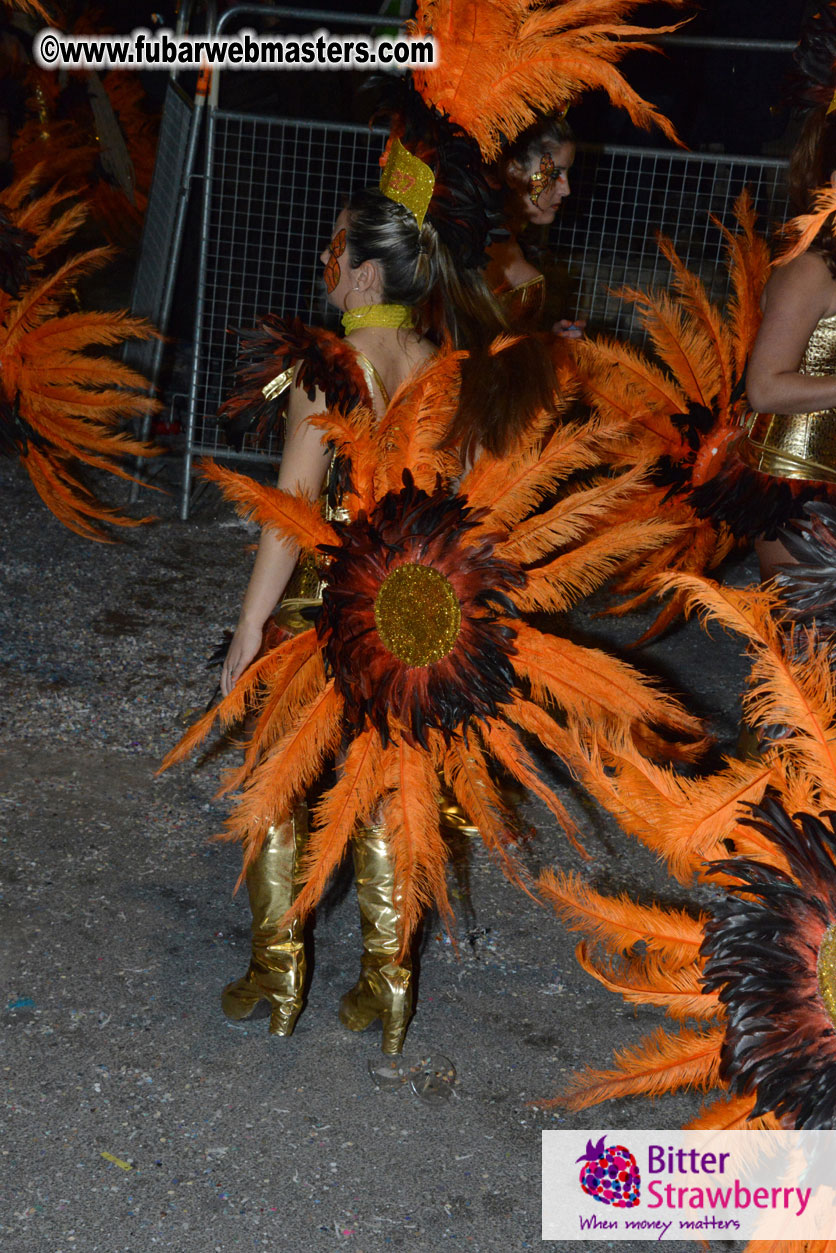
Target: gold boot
<point x="384" y="989"/>
<point x="277" y="966"/>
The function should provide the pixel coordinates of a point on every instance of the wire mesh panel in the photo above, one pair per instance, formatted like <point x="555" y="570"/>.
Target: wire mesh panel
<point x="153" y="269"/>
<point x="605" y="235"/>
<point x="275" y="185"/>
<point x="274" y="190"/>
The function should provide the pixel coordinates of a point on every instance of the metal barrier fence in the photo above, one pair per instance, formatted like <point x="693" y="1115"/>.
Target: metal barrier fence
<point x="605" y="234"/>
<point x="273" y="186"/>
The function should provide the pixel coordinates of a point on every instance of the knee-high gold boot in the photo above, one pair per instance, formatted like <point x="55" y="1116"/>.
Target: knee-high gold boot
<point x="384" y="989"/>
<point x="277" y="966"/>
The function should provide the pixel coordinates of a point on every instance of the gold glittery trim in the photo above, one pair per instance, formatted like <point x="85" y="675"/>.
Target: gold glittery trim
<point x="418" y="614"/>
<point x="407" y="180"/>
<point x="826" y="971"/>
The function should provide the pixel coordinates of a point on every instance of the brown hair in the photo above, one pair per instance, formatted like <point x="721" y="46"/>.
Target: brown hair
<point x="501" y="392"/>
<point x="549" y="132"/>
<point x="812" y="162"/>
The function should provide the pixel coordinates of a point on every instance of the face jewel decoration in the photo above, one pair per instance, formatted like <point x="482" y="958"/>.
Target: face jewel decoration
<point x="544" y="178"/>
<point x="332" y="273"/>
<point x="417" y="617"/>
<point x="771" y="958"/>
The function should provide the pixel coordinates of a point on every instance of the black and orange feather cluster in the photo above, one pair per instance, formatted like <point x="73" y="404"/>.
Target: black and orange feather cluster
<point x="761" y="951"/>
<point x="747" y="971"/>
<point x="322" y="361"/>
<point x="685" y="410"/>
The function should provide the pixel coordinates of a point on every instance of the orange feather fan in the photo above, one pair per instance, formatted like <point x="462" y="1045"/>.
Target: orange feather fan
<point x="504" y="63"/>
<point x="684" y="410"/>
<point x="403" y="718"/>
<point x="59" y="402"/>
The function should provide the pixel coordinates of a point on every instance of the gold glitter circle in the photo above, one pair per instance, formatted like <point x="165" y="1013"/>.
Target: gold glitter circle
<point x="418" y="614"/>
<point x="826" y="971"/>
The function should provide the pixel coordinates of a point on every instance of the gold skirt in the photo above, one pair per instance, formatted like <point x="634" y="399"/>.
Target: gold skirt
<point x="792" y="445"/>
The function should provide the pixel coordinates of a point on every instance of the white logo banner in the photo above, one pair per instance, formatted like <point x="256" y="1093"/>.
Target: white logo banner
<point x="689" y="1185"/>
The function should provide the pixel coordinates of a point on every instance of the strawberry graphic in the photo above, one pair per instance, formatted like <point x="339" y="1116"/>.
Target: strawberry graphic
<point x="610" y="1175"/>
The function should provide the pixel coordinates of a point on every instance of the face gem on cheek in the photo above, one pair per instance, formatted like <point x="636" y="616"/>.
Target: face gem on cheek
<point x="332" y="271"/>
<point x="542" y="179"/>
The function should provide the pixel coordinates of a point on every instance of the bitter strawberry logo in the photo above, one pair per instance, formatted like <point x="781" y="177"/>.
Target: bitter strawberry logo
<point x="610" y="1175"/>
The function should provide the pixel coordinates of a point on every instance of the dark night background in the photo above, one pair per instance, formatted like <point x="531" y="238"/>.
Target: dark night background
<point x="718" y="99"/>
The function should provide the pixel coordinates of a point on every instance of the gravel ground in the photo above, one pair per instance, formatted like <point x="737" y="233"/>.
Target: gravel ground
<point x="118" y="928"/>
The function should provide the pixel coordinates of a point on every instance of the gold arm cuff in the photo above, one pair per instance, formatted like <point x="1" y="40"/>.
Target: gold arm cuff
<point x="278" y="385"/>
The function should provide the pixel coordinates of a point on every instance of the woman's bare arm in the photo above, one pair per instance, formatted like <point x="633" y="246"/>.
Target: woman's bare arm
<point x="303" y="468"/>
<point x="795" y="298"/>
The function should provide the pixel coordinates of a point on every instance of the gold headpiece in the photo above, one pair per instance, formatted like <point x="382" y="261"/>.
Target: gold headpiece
<point x="407" y="181"/>
<point x="832" y="105"/>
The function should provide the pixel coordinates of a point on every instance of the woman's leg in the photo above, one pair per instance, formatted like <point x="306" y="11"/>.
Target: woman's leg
<point x="277" y="965"/>
<point x="384" y="989"/>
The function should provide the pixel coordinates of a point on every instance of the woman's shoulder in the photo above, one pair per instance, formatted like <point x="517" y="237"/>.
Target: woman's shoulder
<point x="809" y="270"/>
<point x="804" y="281"/>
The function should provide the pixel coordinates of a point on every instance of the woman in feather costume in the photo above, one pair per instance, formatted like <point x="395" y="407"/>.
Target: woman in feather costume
<point x="385" y="267"/>
<point x="416" y="666"/>
<point x="534" y="175"/>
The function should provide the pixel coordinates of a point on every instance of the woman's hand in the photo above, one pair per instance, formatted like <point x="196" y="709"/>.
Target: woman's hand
<point x="246" y="643"/>
<point x="564" y="329"/>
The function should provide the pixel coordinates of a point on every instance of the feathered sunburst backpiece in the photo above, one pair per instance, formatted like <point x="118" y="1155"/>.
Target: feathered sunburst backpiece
<point x="421" y="664"/>
<point x="60" y="402"/>
<point x="504" y="63"/>
<point x="752" y="974"/>
<point x="685" y="408"/>
<point x="770" y="956"/>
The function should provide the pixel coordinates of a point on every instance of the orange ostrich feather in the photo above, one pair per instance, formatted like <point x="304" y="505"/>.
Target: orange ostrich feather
<point x="59" y="402"/>
<point x="33" y="7"/>
<point x="401" y="720"/>
<point x="683" y="408"/>
<point x="800" y="231"/>
<point x="504" y="63"/>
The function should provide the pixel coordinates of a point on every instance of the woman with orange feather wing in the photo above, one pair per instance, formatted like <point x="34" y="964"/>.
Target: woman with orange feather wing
<point x="414" y="662"/>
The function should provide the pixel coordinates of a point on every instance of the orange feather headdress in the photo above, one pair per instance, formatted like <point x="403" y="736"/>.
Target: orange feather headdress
<point x="504" y="63"/>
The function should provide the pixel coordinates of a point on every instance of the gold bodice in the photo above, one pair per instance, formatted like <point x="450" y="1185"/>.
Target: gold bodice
<point x="799" y="445"/>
